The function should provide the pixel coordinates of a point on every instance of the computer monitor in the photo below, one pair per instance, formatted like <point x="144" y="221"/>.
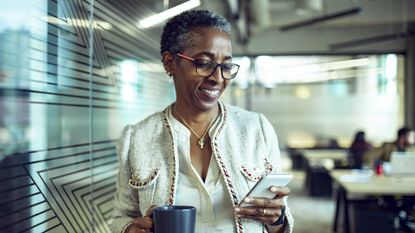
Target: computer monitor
<point x="402" y="163"/>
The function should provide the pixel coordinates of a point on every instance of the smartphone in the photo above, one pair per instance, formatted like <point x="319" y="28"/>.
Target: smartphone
<point x="261" y="188"/>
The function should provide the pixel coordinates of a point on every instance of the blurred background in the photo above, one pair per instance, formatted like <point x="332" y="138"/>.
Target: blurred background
<point x="73" y="73"/>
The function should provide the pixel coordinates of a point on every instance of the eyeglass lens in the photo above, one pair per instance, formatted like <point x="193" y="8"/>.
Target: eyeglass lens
<point x="228" y="70"/>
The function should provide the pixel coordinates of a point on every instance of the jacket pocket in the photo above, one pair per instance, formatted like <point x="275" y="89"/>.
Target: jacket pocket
<point x="256" y="172"/>
<point x="138" y="182"/>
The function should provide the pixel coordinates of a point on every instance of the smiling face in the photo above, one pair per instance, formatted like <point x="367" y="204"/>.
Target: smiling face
<point x="193" y="91"/>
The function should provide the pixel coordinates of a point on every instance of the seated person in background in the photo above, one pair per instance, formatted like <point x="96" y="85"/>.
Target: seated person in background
<point x="405" y="205"/>
<point x="357" y="149"/>
<point x="333" y="144"/>
<point x="402" y="143"/>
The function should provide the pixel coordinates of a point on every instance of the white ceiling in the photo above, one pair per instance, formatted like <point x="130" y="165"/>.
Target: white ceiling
<point x="378" y="26"/>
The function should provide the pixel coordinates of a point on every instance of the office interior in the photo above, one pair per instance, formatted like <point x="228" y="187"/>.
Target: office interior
<point x="73" y="73"/>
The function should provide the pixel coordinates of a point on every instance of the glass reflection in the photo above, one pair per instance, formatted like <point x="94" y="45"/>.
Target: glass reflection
<point x="61" y="110"/>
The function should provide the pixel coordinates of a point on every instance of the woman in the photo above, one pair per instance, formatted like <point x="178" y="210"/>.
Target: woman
<point x="357" y="150"/>
<point x="199" y="151"/>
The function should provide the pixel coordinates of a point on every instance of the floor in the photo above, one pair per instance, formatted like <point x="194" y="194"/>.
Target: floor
<point x="311" y="214"/>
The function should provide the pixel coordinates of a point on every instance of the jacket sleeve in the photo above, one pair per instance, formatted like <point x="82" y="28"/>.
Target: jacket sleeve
<point x="274" y="156"/>
<point x="126" y="206"/>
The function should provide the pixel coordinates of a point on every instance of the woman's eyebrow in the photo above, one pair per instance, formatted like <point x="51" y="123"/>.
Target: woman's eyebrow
<point x="211" y="55"/>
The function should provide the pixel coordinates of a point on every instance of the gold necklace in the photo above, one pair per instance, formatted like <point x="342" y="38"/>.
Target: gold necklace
<point x="201" y="140"/>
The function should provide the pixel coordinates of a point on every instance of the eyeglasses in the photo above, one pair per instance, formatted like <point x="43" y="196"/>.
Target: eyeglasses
<point x="206" y="67"/>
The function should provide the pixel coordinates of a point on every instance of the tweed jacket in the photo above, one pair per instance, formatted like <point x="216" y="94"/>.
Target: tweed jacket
<point x="245" y="147"/>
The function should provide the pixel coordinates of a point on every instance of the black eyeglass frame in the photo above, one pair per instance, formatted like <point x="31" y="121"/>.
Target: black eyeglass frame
<point x="221" y="65"/>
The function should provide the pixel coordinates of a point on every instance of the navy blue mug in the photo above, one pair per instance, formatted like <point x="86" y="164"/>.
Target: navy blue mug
<point x="174" y="219"/>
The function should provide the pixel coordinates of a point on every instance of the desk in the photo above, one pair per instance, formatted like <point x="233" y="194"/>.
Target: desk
<point x="317" y="164"/>
<point x="319" y="154"/>
<point x="353" y="186"/>
<point x="376" y="185"/>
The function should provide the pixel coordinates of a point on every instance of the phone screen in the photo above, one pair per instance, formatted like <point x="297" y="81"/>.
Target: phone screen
<point x="261" y="188"/>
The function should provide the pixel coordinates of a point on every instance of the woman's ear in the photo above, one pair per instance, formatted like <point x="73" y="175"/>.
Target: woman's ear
<point x="168" y="62"/>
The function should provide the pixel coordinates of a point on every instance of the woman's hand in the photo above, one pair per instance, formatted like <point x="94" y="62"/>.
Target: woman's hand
<point x="264" y="209"/>
<point x="142" y="224"/>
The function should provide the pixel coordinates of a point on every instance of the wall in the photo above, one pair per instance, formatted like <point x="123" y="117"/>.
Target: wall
<point x="311" y="106"/>
<point x="410" y="84"/>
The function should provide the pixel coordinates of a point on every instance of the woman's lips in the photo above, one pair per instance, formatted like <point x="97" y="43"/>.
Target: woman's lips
<point x="209" y="93"/>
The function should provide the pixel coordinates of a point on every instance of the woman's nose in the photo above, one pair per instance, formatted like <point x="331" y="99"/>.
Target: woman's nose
<point x="217" y="74"/>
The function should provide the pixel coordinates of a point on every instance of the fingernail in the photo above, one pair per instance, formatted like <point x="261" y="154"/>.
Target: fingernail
<point x="274" y="189"/>
<point x="237" y="210"/>
<point x="247" y="200"/>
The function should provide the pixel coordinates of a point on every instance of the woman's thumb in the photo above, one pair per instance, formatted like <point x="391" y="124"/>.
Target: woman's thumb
<point x="149" y="212"/>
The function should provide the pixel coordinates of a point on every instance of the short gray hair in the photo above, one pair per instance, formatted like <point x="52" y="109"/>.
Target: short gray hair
<point x="178" y="29"/>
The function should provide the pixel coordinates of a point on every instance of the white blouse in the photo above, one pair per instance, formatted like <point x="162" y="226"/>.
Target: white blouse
<point x="214" y="209"/>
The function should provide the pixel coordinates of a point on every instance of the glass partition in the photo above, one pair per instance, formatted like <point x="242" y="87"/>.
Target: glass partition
<point x="72" y="75"/>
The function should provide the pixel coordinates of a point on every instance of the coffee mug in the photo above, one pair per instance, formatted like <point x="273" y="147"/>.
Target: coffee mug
<point x="174" y="219"/>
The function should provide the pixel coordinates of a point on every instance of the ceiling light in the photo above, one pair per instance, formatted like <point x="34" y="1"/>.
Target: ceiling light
<point x="160" y="17"/>
<point x="319" y="19"/>
<point x="373" y="40"/>
<point x="308" y="7"/>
